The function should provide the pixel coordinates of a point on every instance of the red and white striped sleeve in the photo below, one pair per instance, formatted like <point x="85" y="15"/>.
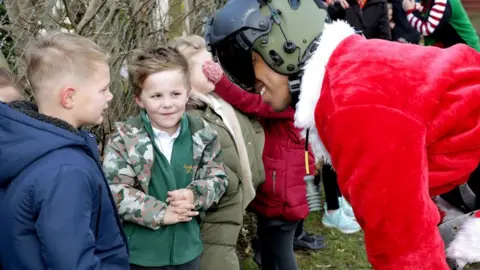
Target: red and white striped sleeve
<point x="439" y="13"/>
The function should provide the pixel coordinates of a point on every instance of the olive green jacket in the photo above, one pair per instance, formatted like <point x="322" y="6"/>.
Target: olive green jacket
<point x="222" y="225"/>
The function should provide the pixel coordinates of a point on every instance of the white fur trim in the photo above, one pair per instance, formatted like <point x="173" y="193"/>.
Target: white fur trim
<point x="312" y="80"/>
<point x="465" y="248"/>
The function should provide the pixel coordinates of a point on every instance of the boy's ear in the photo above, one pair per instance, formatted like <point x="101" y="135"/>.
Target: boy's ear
<point x="67" y="97"/>
<point x="139" y="101"/>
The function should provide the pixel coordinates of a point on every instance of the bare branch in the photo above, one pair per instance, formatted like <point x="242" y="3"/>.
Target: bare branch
<point x="182" y="17"/>
<point x="92" y="10"/>
<point x="3" y="61"/>
<point x="135" y="13"/>
<point x="12" y="8"/>
<point x="69" y="14"/>
<point x="7" y="28"/>
<point x="60" y="24"/>
<point x="111" y="13"/>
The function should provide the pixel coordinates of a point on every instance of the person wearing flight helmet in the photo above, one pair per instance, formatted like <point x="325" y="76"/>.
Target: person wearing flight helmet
<point x="398" y="122"/>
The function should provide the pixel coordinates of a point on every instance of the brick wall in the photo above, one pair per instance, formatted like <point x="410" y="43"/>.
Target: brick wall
<point x="473" y="9"/>
<point x="472" y="6"/>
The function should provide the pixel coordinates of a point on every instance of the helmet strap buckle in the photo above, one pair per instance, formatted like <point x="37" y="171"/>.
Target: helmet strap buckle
<point x="294" y="82"/>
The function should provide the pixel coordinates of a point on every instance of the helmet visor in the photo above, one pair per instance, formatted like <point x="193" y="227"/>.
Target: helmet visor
<point x="236" y="61"/>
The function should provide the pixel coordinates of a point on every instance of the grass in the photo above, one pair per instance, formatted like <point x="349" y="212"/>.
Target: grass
<point x="342" y="251"/>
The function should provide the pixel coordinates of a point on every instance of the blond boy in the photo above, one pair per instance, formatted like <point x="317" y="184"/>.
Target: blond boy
<point x="55" y="206"/>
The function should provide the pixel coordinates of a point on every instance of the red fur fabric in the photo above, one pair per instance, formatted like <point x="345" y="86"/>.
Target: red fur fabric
<point x="402" y="124"/>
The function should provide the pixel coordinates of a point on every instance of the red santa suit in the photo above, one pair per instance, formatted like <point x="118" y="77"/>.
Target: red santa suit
<point x="399" y="123"/>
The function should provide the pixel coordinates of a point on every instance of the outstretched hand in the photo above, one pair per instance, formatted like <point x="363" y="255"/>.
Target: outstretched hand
<point x="408" y="5"/>
<point x="212" y="71"/>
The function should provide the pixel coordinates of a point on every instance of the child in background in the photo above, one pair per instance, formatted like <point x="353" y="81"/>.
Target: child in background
<point x="164" y="167"/>
<point x="338" y="213"/>
<point x="370" y="16"/>
<point x="9" y="89"/>
<point x="402" y="31"/>
<point x="56" y="209"/>
<point x="280" y="204"/>
<point x="442" y="23"/>
<point x="347" y="10"/>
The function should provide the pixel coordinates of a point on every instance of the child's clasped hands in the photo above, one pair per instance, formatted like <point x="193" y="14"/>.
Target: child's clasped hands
<point x="180" y="207"/>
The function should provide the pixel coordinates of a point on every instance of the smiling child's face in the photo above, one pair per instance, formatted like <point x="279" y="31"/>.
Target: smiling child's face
<point x="164" y="97"/>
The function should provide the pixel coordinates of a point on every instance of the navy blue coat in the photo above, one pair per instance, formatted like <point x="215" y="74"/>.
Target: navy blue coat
<point x="56" y="210"/>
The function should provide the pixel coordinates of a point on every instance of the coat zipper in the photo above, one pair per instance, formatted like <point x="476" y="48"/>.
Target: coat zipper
<point x="274" y="179"/>
<point x="99" y="210"/>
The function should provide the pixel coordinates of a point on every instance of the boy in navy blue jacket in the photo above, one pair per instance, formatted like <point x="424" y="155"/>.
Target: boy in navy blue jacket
<point x="56" y="209"/>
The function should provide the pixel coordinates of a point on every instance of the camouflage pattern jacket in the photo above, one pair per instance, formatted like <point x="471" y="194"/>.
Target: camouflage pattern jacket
<point x="128" y="161"/>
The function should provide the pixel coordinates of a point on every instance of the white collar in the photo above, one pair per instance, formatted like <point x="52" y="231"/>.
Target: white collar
<point x="163" y="134"/>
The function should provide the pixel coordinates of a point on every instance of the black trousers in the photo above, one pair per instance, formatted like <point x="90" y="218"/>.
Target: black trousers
<point x="191" y="265"/>
<point x="276" y="242"/>
<point x="330" y="185"/>
<point x="454" y="197"/>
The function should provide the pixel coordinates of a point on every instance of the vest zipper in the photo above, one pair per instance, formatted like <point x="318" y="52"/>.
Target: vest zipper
<point x="274" y="179"/>
<point x="99" y="210"/>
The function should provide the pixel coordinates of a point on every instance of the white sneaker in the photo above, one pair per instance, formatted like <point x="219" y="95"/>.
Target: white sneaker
<point x="339" y="220"/>
<point x="347" y="209"/>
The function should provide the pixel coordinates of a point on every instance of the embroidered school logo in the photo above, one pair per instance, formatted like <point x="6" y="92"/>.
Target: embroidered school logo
<point x="188" y="168"/>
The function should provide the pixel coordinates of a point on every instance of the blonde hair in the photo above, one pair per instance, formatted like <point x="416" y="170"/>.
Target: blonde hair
<point x="8" y="79"/>
<point x="188" y="45"/>
<point x="55" y="56"/>
<point x="147" y="62"/>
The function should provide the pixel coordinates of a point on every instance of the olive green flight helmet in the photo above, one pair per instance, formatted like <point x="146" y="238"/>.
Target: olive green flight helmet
<point x="283" y="32"/>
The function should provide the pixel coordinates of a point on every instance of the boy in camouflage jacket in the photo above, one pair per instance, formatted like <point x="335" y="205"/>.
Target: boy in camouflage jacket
<point x="163" y="166"/>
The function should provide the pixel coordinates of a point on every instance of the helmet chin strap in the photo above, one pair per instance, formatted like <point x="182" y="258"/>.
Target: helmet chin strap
<point x="294" y="88"/>
<point x="294" y="82"/>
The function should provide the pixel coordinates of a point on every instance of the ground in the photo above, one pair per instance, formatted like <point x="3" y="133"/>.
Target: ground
<point x="342" y="251"/>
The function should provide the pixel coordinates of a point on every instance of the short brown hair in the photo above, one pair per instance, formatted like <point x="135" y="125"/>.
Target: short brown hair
<point x="52" y="57"/>
<point x="8" y="79"/>
<point x="147" y="62"/>
<point x="188" y="45"/>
